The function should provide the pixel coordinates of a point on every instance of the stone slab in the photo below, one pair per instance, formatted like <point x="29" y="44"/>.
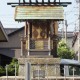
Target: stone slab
<point x="40" y="60"/>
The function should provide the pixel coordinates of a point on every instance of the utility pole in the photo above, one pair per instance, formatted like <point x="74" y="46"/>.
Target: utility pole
<point x="66" y="25"/>
<point x="62" y="30"/>
<point x="78" y="1"/>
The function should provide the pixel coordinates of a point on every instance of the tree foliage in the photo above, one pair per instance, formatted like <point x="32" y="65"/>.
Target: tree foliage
<point x="2" y="71"/>
<point x="64" y="51"/>
<point x="11" y="68"/>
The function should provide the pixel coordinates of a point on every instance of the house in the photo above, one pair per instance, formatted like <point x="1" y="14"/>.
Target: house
<point x="70" y="36"/>
<point x="3" y="36"/>
<point x="75" y="45"/>
<point x="12" y="48"/>
<point x="3" y="39"/>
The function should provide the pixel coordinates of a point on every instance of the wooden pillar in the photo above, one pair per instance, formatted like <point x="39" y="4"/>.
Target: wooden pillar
<point x="28" y="24"/>
<point x="49" y="46"/>
<point x="55" y="29"/>
<point x="54" y="50"/>
<point x="25" y="29"/>
<point x="21" y="48"/>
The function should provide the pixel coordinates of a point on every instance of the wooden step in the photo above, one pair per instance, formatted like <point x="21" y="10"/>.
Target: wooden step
<point x="40" y="56"/>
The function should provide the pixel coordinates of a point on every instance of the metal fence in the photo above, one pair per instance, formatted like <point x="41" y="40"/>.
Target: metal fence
<point x="49" y="72"/>
<point x="15" y="71"/>
<point x="45" y="72"/>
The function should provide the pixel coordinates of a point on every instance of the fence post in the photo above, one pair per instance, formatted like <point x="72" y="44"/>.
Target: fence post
<point x="38" y="71"/>
<point x="47" y="70"/>
<point x="56" y="71"/>
<point x="73" y="73"/>
<point x="64" y="73"/>
<point x="15" y="71"/>
<point x="6" y="72"/>
<point x="27" y="71"/>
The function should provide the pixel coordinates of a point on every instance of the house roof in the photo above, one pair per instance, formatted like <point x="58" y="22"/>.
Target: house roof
<point x="75" y="38"/>
<point x="15" y="31"/>
<point x="14" y="39"/>
<point x="69" y="34"/>
<point x="10" y="30"/>
<point x="70" y="62"/>
<point x="3" y="36"/>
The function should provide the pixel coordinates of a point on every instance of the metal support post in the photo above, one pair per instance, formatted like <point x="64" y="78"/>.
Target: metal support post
<point x="56" y="71"/>
<point x="6" y="72"/>
<point x="38" y="71"/>
<point x="73" y="73"/>
<point x="66" y="25"/>
<point x="63" y="30"/>
<point x="46" y="65"/>
<point x="27" y="71"/>
<point x="15" y="71"/>
<point x="64" y="73"/>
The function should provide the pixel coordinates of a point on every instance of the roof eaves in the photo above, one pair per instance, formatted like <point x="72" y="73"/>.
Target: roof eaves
<point x="15" y="31"/>
<point x="3" y="32"/>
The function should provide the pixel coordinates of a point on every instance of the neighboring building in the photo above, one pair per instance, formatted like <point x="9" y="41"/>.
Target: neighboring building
<point x="75" y="44"/>
<point x="12" y="48"/>
<point x="69" y="37"/>
<point x="3" y="38"/>
<point x="10" y="30"/>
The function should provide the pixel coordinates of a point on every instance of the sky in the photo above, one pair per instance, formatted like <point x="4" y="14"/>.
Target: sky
<point x="7" y="15"/>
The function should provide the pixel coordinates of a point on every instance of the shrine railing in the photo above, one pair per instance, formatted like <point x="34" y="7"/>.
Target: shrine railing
<point x="39" y="44"/>
<point x="31" y="46"/>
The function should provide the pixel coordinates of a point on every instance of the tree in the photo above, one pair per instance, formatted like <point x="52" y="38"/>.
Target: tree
<point x="2" y="71"/>
<point x="11" y="67"/>
<point x="64" y="51"/>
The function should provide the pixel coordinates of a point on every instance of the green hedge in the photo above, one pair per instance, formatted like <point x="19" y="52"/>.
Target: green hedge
<point x="11" y="68"/>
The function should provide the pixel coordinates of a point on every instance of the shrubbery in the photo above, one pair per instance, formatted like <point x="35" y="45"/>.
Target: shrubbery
<point x="2" y="71"/>
<point x="11" y="68"/>
<point x="64" y="51"/>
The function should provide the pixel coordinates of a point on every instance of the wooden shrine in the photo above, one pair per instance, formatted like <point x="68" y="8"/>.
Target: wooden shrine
<point x="39" y="43"/>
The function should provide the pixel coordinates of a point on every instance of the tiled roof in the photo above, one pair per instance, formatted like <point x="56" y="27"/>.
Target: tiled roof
<point x="10" y="30"/>
<point x="3" y="36"/>
<point x="69" y="34"/>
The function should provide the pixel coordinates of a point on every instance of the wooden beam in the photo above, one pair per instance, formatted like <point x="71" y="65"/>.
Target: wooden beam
<point x="42" y="1"/>
<point x="59" y="1"/>
<point x="30" y="1"/>
<point x="36" y="1"/>
<point x="63" y="3"/>
<point x="48" y="1"/>
<point x="24" y="1"/>
<point x="39" y="5"/>
<point x="54" y="1"/>
<point x="19" y="2"/>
